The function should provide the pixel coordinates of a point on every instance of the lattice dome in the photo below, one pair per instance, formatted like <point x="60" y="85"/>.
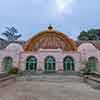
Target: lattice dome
<point x="50" y="39"/>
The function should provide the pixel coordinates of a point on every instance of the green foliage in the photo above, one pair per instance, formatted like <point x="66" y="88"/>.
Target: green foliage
<point x="83" y="36"/>
<point x="13" y="71"/>
<point x="11" y="34"/>
<point x="92" y="34"/>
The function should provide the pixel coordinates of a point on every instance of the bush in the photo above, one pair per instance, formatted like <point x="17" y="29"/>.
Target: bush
<point x="14" y="71"/>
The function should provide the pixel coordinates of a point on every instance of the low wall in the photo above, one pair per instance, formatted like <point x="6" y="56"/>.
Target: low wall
<point x="94" y="82"/>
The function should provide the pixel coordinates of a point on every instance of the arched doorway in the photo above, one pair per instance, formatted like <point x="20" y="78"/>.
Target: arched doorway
<point x="7" y="64"/>
<point x="31" y="64"/>
<point x="68" y="64"/>
<point x="50" y="64"/>
<point x="92" y="63"/>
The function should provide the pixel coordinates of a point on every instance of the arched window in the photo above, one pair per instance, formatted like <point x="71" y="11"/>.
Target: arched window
<point x="31" y="63"/>
<point x="68" y="64"/>
<point x="92" y="61"/>
<point x="7" y="63"/>
<point x="50" y="64"/>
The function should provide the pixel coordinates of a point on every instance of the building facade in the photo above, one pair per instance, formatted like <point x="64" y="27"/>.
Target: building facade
<point x="50" y="51"/>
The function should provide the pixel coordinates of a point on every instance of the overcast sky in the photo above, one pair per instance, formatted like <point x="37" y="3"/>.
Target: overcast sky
<point x="32" y="16"/>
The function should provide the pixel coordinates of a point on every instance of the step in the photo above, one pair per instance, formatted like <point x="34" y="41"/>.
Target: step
<point x="7" y="80"/>
<point x="2" y="75"/>
<point x="55" y="78"/>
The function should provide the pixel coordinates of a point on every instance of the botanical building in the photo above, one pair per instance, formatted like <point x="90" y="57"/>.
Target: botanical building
<point x="50" y="51"/>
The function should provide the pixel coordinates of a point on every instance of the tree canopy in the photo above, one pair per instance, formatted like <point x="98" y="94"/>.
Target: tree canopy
<point x="92" y="34"/>
<point x="11" y="34"/>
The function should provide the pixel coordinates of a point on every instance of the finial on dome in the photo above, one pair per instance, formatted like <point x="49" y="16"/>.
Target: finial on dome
<point x="50" y="27"/>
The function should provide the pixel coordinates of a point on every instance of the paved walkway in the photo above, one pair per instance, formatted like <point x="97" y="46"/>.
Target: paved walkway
<point x="49" y="90"/>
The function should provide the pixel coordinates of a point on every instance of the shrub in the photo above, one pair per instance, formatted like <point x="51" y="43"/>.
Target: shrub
<point x="14" y="71"/>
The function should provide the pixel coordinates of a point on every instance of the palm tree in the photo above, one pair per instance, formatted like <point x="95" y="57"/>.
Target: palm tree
<point x="11" y="34"/>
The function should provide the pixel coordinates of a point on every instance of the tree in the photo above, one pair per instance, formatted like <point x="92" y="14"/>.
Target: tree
<point x="83" y="36"/>
<point x="98" y="34"/>
<point x="92" y="34"/>
<point x="11" y="34"/>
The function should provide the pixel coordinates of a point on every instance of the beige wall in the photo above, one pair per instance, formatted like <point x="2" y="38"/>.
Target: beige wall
<point x="84" y="52"/>
<point x="57" y="54"/>
<point x="13" y="55"/>
<point x="88" y="50"/>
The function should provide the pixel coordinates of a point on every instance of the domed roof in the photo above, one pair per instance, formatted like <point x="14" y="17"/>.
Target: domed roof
<point x="14" y="47"/>
<point x="87" y="47"/>
<point x="50" y="39"/>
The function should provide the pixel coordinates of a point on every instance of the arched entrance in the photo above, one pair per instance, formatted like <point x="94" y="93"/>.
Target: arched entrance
<point x="50" y="64"/>
<point x="31" y="64"/>
<point x="92" y="62"/>
<point x="7" y="64"/>
<point x="68" y="64"/>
